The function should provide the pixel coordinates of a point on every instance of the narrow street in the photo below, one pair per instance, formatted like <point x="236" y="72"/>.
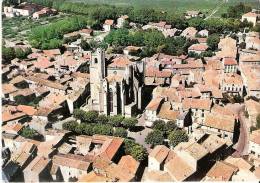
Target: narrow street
<point x="242" y="144"/>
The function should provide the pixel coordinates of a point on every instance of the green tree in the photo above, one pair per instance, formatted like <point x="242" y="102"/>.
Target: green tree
<point x="129" y="122"/>
<point x="159" y="125"/>
<point x="137" y="151"/>
<point x="29" y="133"/>
<point x="8" y="54"/>
<point x="213" y="41"/>
<point x="22" y="54"/>
<point x="118" y="37"/>
<point x="170" y="126"/>
<point x="177" y="136"/>
<point x="79" y="114"/>
<point x="237" y="10"/>
<point x="102" y="119"/>
<point x="116" y="120"/>
<point x="103" y="129"/>
<point x="70" y="125"/>
<point x="84" y="45"/>
<point x="91" y="116"/>
<point x="120" y="132"/>
<point x="154" y="138"/>
<point x="80" y="128"/>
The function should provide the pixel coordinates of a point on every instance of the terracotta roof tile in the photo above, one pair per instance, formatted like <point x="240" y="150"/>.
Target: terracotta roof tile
<point x="160" y="153"/>
<point x="109" y="22"/>
<point x="222" y="170"/>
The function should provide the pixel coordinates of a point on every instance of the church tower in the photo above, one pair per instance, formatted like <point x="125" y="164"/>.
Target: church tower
<point x="97" y="74"/>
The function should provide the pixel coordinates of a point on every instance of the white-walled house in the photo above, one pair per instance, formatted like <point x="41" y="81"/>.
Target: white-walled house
<point x="232" y="84"/>
<point x="230" y="65"/>
<point x="107" y="26"/>
<point x="156" y="158"/>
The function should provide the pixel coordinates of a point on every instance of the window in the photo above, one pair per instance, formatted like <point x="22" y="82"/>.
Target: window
<point x="96" y="60"/>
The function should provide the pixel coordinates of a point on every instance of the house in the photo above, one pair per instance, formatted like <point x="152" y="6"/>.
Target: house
<point x="249" y="59"/>
<point x="232" y="84"/>
<point x="189" y="32"/>
<point x="178" y="168"/>
<point x="157" y="157"/>
<point x="193" y="153"/>
<point x="251" y="79"/>
<point x="12" y="114"/>
<point x="221" y="171"/>
<point x="223" y="125"/>
<point x="254" y="143"/>
<point x="197" y="48"/>
<point x="38" y="170"/>
<point x="153" y="76"/>
<point x="152" y="109"/>
<point x="127" y="162"/>
<point x="227" y="47"/>
<point x="215" y="145"/>
<point x="251" y="17"/>
<point x="192" y="14"/>
<point x="121" y="21"/>
<point x="8" y="89"/>
<point x="203" y="33"/>
<point x="155" y="176"/>
<point x="98" y="144"/>
<point x="253" y="110"/>
<point x="12" y="128"/>
<point x="23" y="9"/>
<point x="252" y="41"/>
<point x="230" y="65"/>
<point x="86" y="33"/>
<point x="72" y="166"/>
<point x="199" y="108"/>
<point x="244" y="169"/>
<point x="19" y="160"/>
<point x="107" y="26"/>
<point x="44" y="12"/>
<point x="129" y="50"/>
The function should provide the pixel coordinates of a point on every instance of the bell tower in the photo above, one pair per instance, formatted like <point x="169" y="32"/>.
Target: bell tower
<point x="97" y="74"/>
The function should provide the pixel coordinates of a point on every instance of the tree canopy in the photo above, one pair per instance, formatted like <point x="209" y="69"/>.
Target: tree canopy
<point x="154" y="138"/>
<point x="136" y="150"/>
<point x="177" y="136"/>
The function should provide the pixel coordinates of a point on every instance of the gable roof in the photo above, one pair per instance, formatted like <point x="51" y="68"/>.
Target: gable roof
<point x="222" y="170"/>
<point x="160" y="152"/>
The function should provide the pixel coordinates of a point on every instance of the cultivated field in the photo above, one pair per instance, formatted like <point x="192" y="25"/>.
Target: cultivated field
<point x="206" y="6"/>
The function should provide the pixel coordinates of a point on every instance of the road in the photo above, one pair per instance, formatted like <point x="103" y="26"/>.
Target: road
<point x="242" y="144"/>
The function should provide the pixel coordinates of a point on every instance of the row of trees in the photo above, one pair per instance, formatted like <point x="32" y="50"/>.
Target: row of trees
<point x="94" y="117"/>
<point x="9" y="53"/>
<point x="92" y="123"/>
<point x="51" y="36"/>
<point x="169" y="130"/>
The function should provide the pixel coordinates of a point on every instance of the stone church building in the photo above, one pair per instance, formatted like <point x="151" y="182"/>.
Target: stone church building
<point x="115" y="84"/>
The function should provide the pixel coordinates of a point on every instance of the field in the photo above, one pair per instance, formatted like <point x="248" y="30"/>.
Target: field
<point x="18" y="27"/>
<point x="180" y="6"/>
